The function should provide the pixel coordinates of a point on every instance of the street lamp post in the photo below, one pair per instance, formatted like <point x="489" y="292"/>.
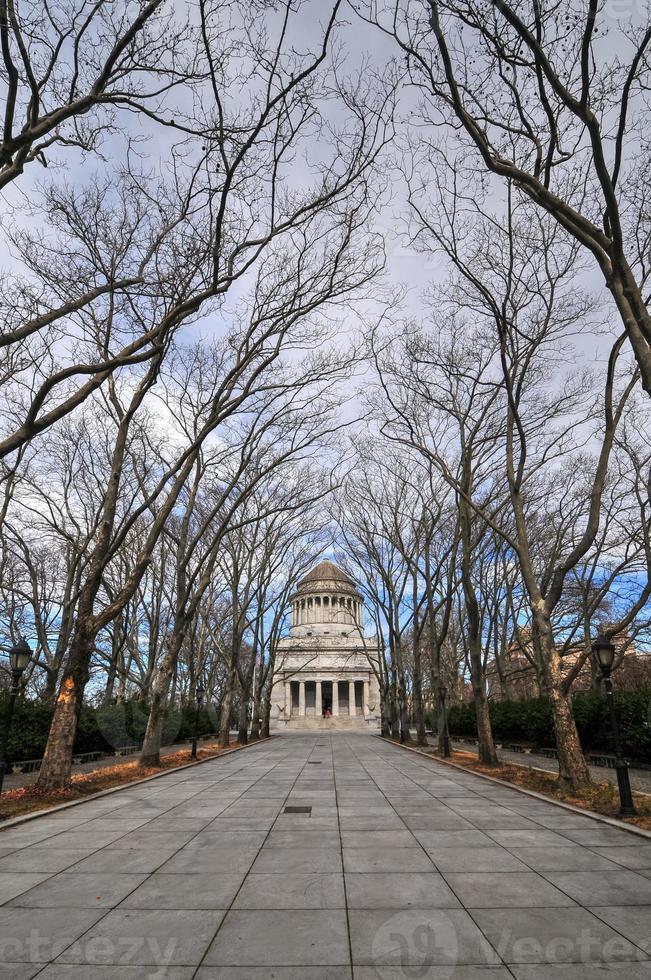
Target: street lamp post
<point x="445" y="734"/>
<point x="603" y="651"/>
<point x="198" y="693"/>
<point x="19" y="657"/>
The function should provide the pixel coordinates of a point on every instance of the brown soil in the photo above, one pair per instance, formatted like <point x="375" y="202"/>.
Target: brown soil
<point x="27" y="799"/>
<point x="599" y="797"/>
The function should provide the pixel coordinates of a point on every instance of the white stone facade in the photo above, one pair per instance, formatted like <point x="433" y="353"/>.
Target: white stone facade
<point x="324" y="676"/>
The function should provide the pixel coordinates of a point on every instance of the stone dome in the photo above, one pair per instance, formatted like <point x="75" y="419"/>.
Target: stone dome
<point x="326" y="601"/>
<point x="325" y="571"/>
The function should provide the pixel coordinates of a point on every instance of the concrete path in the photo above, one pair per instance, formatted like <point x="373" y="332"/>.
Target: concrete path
<point x="403" y="869"/>
<point x="640" y="778"/>
<point x="16" y="779"/>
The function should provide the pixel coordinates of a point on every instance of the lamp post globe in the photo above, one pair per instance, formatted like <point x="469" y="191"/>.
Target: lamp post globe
<point x="20" y="655"/>
<point x="603" y="651"/>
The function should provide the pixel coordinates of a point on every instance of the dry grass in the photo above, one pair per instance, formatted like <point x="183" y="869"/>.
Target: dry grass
<point x="28" y="799"/>
<point x="599" y="797"/>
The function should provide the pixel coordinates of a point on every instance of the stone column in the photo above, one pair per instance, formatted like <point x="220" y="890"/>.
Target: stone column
<point x="367" y="689"/>
<point x="288" y="699"/>
<point x="335" y="699"/>
<point x="352" y="707"/>
<point x="318" y="704"/>
<point x="301" y="699"/>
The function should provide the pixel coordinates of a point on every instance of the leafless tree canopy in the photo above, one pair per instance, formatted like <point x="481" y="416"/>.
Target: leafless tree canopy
<point x="213" y="371"/>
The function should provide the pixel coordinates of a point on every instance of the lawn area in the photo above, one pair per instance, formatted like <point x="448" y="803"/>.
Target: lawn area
<point x="27" y="799"/>
<point x="601" y="797"/>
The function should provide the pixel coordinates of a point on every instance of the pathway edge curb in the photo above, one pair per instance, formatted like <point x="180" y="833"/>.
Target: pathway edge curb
<point x="600" y="817"/>
<point x="26" y="817"/>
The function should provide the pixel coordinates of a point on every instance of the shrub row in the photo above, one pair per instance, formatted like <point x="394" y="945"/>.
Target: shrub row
<point x="531" y="722"/>
<point x="100" y="729"/>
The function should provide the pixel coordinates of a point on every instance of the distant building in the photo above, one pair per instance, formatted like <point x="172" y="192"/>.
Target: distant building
<point x="517" y="679"/>
<point x="324" y="675"/>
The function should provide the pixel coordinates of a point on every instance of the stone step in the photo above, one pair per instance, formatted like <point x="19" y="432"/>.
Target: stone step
<point x="341" y="722"/>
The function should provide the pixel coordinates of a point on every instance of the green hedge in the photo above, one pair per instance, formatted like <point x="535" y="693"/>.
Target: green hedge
<point x="100" y="729"/>
<point x="531" y="722"/>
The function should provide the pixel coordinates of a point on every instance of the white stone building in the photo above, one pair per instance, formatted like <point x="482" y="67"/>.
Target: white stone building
<point x="324" y="676"/>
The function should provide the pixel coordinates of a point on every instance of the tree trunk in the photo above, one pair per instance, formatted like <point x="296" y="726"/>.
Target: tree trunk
<point x="256" y="717"/>
<point x="57" y="759"/>
<point x="150" y="752"/>
<point x="225" y="720"/>
<point x="50" y="690"/>
<point x="243" y="729"/>
<point x="385" y="711"/>
<point x="572" y="767"/>
<point x="264" y="731"/>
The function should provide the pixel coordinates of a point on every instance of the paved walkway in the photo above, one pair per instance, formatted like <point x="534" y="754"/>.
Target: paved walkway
<point x="404" y="869"/>
<point x="640" y="778"/>
<point x="16" y="779"/>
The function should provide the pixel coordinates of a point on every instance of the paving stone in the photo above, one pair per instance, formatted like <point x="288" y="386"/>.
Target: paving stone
<point x="378" y="838"/>
<point x="122" y="861"/>
<point x="71" y="971"/>
<point x="453" y="838"/>
<point x="372" y="859"/>
<point x="285" y="860"/>
<point x="274" y="973"/>
<point x="38" y="860"/>
<point x="303" y="838"/>
<point x="276" y="938"/>
<point x="185" y="891"/>
<point x="494" y="889"/>
<point x="434" y="822"/>
<point x="536" y="837"/>
<point x="421" y="972"/>
<point x="634" y="923"/>
<point x="571" y="858"/>
<point x="204" y="859"/>
<point x="636" y="857"/>
<point x="19" y="971"/>
<point x="424" y="890"/>
<point x="79" y="891"/>
<point x="621" y="887"/>
<point x="418" y="937"/>
<point x="292" y="891"/>
<point x="572" y="935"/>
<point x="133" y="937"/>
<point x="14" y="883"/>
<point x="474" y="859"/>
<point x="582" y="971"/>
<point x="595" y="834"/>
<point x="39" y="935"/>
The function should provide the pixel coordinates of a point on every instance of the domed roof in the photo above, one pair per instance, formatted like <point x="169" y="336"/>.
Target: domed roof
<point x="326" y="571"/>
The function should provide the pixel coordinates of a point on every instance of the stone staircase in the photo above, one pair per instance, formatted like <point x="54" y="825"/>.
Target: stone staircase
<point x="341" y="723"/>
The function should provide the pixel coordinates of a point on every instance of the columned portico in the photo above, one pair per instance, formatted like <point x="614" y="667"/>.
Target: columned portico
<point x="304" y="705"/>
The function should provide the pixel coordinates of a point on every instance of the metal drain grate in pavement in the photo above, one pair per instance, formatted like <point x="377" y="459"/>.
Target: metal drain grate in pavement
<point x="298" y="809"/>
<point x="314" y="763"/>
